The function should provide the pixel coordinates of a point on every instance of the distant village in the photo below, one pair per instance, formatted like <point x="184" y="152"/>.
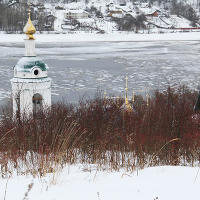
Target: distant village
<point x="101" y="17"/>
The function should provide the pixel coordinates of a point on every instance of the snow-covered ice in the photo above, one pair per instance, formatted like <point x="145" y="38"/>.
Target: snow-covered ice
<point x="81" y="68"/>
<point x="92" y="37"/>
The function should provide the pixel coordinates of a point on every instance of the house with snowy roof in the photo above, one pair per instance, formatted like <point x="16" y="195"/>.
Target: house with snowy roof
<point x="150" y="13"/>
<point x="115" y="13"/>
<point x="76" y="14"/>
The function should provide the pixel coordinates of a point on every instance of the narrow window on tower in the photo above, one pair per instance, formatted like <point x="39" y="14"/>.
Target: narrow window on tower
<point x="37" y="103"/>
<point x="17" y="99"/>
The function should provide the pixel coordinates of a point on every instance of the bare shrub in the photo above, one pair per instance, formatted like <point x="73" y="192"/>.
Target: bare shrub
<point x="101" y="132"/>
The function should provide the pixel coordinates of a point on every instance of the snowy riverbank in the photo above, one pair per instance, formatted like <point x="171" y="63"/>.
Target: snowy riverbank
<point x="77" y="183"/>
<point x="91" y="37"/>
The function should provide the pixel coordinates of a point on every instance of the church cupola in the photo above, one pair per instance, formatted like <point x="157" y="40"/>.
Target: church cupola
<point x="31" y="87"/>
<point x="30" y="67"/>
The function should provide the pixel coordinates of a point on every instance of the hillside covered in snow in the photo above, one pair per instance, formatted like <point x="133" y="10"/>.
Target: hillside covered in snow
<point x="102" y="16"/>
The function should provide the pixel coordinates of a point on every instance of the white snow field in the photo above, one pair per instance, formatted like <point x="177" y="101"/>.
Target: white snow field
<point x="81" y="183"/>
<point x="92" y="37"/>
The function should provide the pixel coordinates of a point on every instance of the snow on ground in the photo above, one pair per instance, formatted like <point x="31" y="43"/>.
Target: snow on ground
<point x="79" y="183"/>
<point x="59" y="20"/>
<point x="172" y="21"/>
<point x="155" y="15"/>
<point x="75" y="5"/>
<point x="180" y="22"/>
<point x="91" y="37"/>
<point x="107" y="26"/>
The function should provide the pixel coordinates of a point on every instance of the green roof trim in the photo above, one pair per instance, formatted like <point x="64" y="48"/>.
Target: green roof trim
<point x="39" y="64"/>
<point x="26" y="64"/>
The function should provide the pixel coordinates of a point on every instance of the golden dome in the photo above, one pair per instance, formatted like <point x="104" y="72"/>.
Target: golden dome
<point x="29" y="29"/>
<point x="128" y="105"/>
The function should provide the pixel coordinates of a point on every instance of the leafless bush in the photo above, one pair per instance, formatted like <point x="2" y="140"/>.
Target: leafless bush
<point x="99" y="131"/>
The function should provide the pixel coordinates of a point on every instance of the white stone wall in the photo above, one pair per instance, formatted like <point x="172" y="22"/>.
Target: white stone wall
<point x="30" y="47"/>
<point x="41" y="74"/>
<point x="25" y="89"/>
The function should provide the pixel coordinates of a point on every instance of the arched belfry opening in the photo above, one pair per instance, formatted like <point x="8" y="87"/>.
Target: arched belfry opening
<point x="37" y="103"/>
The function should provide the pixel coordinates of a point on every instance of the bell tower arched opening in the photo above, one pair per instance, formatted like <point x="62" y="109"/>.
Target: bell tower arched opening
<point x="37" y="103"/>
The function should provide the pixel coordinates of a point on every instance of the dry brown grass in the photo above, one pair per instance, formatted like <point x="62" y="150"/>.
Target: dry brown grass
<point x="99" y="132"/>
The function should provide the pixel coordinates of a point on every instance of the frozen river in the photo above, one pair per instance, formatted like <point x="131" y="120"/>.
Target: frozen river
<point x="80" y="69"/>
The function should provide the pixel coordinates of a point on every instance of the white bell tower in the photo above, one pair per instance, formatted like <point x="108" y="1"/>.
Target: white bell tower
<point x="31" y="87"/>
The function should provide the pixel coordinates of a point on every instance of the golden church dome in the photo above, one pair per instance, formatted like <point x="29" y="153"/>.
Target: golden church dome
<point x="29" y="29"/>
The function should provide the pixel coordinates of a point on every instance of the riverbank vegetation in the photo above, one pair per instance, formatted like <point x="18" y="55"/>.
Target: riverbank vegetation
<point x="163" y="131"/>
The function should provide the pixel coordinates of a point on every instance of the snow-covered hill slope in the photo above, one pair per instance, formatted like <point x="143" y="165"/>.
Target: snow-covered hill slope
<point x="99" y="15"/>
<point x="113" y="15"/>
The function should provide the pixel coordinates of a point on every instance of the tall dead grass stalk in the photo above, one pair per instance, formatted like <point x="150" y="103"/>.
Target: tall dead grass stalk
<point x="100" y="131"/>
